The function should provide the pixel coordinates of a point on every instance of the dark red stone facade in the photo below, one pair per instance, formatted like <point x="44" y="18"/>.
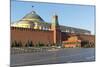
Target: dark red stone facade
<point x="49" y="36"/>
<point x="25" y="34"/>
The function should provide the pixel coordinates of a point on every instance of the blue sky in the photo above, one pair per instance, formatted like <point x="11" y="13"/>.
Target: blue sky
<point x="79" y="16"/>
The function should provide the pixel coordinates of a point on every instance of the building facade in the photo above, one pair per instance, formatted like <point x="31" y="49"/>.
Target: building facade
<point x="33" y="28"/>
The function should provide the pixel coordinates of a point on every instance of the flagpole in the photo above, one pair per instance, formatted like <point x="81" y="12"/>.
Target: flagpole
<point x="32" y="7"/>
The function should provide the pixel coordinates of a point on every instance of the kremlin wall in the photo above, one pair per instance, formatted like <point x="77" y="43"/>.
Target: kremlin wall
<point x="25" y="34"/>
<point x="33" y="28"/>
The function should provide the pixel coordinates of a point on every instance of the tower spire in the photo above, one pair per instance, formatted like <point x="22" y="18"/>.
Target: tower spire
<point x="56" y="29"/>
<point x="55" y="21"/>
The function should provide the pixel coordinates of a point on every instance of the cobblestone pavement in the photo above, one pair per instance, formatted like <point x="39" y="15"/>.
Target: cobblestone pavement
<point x="32" y="56"/>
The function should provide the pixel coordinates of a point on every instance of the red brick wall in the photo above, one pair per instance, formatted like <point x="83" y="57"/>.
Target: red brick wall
<point x="24" y="34"/>
<point x="57" y="36"/>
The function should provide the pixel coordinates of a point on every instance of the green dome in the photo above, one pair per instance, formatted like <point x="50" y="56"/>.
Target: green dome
<point x="34" y="16"/>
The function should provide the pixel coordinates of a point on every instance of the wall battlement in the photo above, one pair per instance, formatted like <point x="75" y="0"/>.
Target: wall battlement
<point x="29" y="29"/>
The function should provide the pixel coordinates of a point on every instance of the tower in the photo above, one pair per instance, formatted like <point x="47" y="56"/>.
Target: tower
<point x="56" y="30"/>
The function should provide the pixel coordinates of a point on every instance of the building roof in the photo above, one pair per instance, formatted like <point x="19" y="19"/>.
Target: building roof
<point x="25" y="22"/>
<point x="33" y="15"/>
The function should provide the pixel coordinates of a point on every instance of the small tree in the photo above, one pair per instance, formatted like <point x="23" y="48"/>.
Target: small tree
<point x="26" y="45"/>
<point x="30" y="44"/>
<point x="85" y="44"/>
<point x="20" y="44"/>
<point x="12" y="44"/>
<point x="15" y="43"/>
<point x="41" y="44"/>
<point x="53" y="44"/>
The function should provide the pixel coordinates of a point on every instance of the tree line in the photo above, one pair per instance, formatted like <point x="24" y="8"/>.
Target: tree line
<point x="29" y="44"/>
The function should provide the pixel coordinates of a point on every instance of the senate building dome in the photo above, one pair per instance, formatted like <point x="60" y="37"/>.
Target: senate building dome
<point x="30" y="20"/>
<point x="33" y="16"/>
